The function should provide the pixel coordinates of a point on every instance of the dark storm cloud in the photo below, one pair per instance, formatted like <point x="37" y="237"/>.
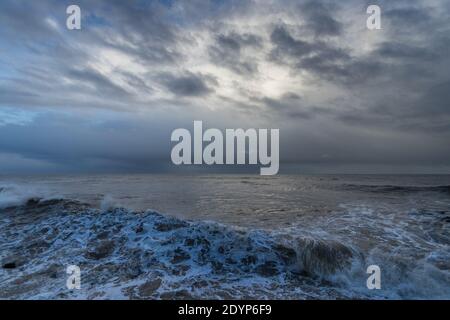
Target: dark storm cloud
<point x="324" y="60"/>
<point x="43" y="52"/>
<point x="74" y="144"/>
<point x="408" y="16"/>
<point x="188" y="84"/>
<point x="22" y="20"/>
<point x="337" y="91"/>
<point x="100" y="83"/>
<point x="434" y="102"/>
<point x="136" y="82"/>
<point x="286" y="45"/>
<point x="228" y="49"/>
<point x="319" y="18"/>
<point x="397" y="50"/>
<point x="142" y="29"/>
<point x="292" y="106"/>
<point x="428" y="113"/>
<point x="302" y="53"/>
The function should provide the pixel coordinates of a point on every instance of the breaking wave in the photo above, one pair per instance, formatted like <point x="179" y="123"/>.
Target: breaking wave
<point x="140" y="255"/>
<point x="15" y="195"/>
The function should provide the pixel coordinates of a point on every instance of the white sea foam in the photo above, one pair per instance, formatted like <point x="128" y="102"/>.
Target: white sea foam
<point x="108" y="203"/>
<point x="129" y="254"/>
<point x="15" y="195"/>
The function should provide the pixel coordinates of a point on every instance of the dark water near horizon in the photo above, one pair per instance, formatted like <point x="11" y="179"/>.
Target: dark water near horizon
<point x="334" y="225"/>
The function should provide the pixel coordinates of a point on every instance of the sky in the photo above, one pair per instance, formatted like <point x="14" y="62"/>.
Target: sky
<point x="107" y="97"/>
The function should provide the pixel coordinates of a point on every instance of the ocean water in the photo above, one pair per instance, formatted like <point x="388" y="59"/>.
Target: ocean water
<point x="225" y="236"/>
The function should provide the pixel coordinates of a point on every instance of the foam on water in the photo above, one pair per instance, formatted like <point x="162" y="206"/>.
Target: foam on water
<point x="15" y="195"/>
<point x="128" y="254"/>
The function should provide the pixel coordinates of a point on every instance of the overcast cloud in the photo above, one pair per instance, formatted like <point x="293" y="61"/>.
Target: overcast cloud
<point x="106" y="98"/>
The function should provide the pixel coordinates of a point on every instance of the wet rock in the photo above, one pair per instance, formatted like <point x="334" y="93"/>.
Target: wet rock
<point x="38" y="246"/>
<point x="217" y="266"/>
<point x="179" y="256"/>
<point x="9" y="265"/>
<point x="133" y="268"/>
<point x="102" y="250"/>
<point x="179" y="295"/>
<point x="140" y="228"/>
<point x="198" y="241"/>
<point x="15" y="292"/>
<point x="51" y="271"/>
<point x="13" y="261"/>
<point x="103" y="235"/>
<point x="249" y="260"/>
<point x="129" y="292"/>
<point x="230" y="261"/>
<point x="149" y="288"/>
<point x="189" y="242"/>
<point x="200" y="284"/>
<point x="169" y="226"/>
<point x="267" y="269"/>
<point x="180" y="270"/>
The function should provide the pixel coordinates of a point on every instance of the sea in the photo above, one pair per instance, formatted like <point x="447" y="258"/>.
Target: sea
<point x="225" y="236"/>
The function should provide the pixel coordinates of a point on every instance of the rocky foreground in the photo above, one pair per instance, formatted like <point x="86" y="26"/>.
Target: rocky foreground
<point x="145" y="255"/>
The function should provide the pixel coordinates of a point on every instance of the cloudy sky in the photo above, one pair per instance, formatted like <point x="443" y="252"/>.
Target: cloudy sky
<point x="107" y="97"/>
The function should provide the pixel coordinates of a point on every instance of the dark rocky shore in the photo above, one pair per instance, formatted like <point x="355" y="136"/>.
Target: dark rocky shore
<point x="145" y="255"/>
